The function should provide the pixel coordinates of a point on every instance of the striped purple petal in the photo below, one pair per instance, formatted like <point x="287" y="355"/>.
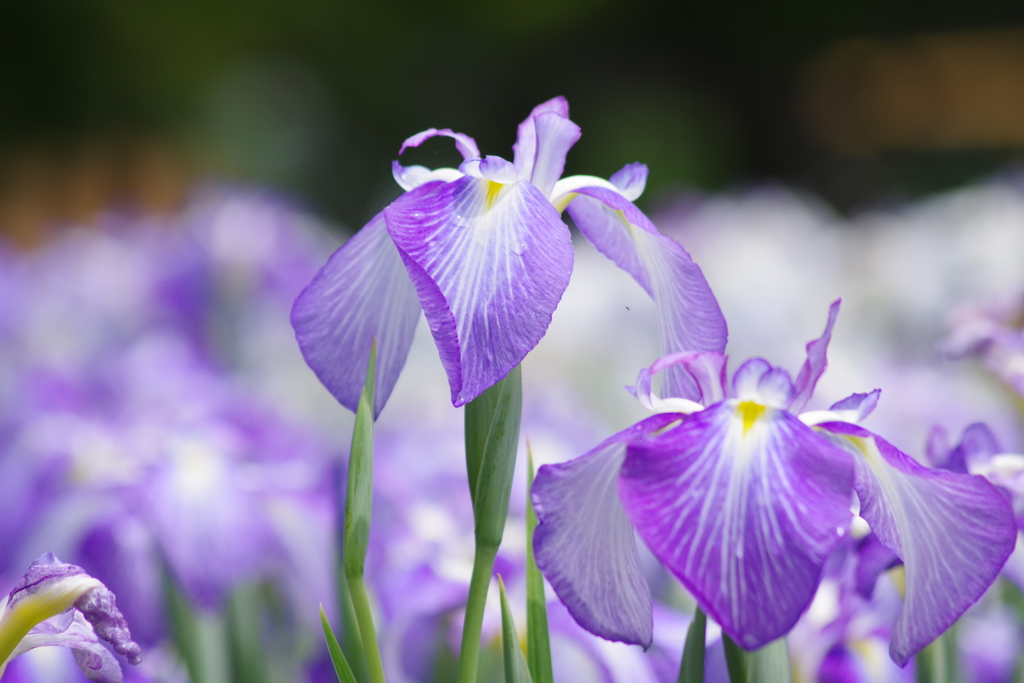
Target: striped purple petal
<point x="953" y="532"/>
<point x="585" y="544"/>
<point x="363" y="293"/>
<point x="489" y="262"/>
<point x="688" y="312"/>
<point x="743" y="503"/>
<point x="542" y="142"/>
<point x="817" y="360"/>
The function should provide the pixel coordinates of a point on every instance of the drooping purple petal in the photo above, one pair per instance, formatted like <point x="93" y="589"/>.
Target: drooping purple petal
<point x="525" y="149"/>
<point x="744" y="504"/>
<point x="585" y="544"/>
<point x="817" y="361"/>
<point x="688" y="312"/>
<point x="466" y="145"/>
<point x="490" y="263"/>
<point x="363" y="293"/>
<point x="953" y="532"/>
<point x="873" y="558"/>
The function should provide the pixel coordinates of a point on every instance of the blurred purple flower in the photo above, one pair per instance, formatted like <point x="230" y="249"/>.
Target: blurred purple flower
<point x="58" y="604"/>
<point x="743" y="501"/>
<point x="483" y="252"/>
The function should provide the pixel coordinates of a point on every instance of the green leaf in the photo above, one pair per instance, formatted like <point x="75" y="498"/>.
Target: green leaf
<point x="770" y="664"/>
<point x="341" y="666"/>
<point x="538" y="644"/>
<point x="245" y="629"/>
<point x="516" y="669"/>
<point x="691" y="669"/>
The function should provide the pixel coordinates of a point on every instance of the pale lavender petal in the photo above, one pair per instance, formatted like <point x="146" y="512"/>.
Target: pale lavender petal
<point x="93" y="659"/>
<point x="525" y="147"/>
<point x="585" y="545"/>
<point x="555" y="136"/>
<point x="465" y="144"/>
<point x="688" y="312"/>
<point x="99" y="607"/>
<point x="747" y="377"/>
<point x="363" y="293"/>
<point x="491" y="168"/>
<point x="937" y="447"/>
<point x="775" y="388"/>
<point x="862" y="405"/>
<point x="411" y="177"/>
<point x="953" y="532"/>
<point x="490" y="263"/>
<point x="744" y="504"/>
<point x="707" y="368"/>
<point x="631" y="180"/>
<point x="816" y="362"/>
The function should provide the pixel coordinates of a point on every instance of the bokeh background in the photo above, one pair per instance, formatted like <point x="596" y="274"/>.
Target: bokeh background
<point x="860" y="102"/>
<point x="173" y="172"/>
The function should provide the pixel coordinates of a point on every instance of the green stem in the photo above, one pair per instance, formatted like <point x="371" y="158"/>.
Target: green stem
<point x="469" y="654"/>
<point x="364" y="616"/>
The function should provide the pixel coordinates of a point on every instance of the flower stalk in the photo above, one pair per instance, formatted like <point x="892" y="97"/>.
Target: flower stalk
<point x="492" y="437"/>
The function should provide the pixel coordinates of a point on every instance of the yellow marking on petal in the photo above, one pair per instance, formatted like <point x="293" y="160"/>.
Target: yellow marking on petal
<point x="749" y="411"/>
<point x="564" y="200"/>
<point x="38" y="607"/>
<point x="491" y="192"/>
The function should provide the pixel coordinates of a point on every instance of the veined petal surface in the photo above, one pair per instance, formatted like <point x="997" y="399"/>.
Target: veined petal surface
<point x="953" y="532"/>
<point x="688" y="312"/>
<point x="744" y="504"/>
<point x="362" y="293"/>
<point x="490" y="263"/>
<point x="585" y="544"/>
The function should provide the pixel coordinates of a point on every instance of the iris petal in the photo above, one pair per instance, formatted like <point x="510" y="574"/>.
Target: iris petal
<point x="816" y="362"/>
<point x="744" y="504"/>
<point x="362" y="293"/>
<point x="526" y="144"/>
<point x="489" y="262"/>
<point x="688" y="311"/>
<point x="953" y="532"/>
<point x="585" y="544"/>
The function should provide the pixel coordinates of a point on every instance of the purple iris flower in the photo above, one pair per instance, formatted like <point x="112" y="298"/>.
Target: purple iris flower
<point x="483" y="251"/>
<point x="743" y="498"/>
<point x="58" y="604"/>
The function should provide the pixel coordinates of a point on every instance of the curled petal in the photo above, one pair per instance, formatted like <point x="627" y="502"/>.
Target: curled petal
<point x="707" y="368"/>
<point x="465" y="144"/>
<point x="688" y="312"/>
<point x="854" y="408"/>
<point x="362" y="294"/>
<point x="649" y="400"/>
<point x="744" y="504"/>
<point x="411" y="177"/>
<point x="585" y="545"/>
<point x="953" y="532"/>
<point x="816" y="362"/>
<point x="631" y="180"/>
<point x="528" y="147"/>
<point x="489" y="262"/>
<point x="491" y="168"/>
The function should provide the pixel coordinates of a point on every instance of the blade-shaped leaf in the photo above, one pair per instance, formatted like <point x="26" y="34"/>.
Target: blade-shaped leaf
<point x="538" y="644"/>
<point x="516" y="669"/>
<point x="341" y="666"/>
<point x="691" y="669"/>
<point x="937" y="663"/>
